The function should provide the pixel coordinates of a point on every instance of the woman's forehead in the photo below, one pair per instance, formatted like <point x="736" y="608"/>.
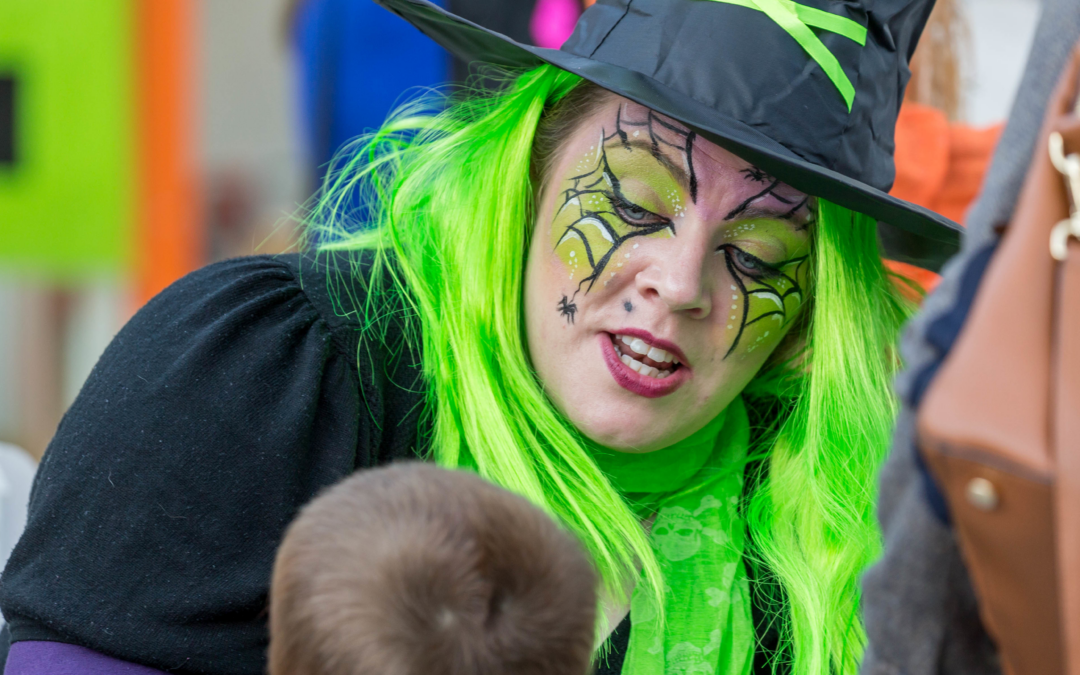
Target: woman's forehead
<point x="640" y="142"/>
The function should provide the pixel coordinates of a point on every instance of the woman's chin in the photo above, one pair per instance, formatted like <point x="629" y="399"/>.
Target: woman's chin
<point x="610" y="415"/>
<point x="638" y="426"/>
<point x="627" y="432"/>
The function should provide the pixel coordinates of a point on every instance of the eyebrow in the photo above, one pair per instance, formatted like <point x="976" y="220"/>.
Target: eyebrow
<point x="744" y="211"/>
<point x="676" y="171"/>
<point x="787" y="215"/>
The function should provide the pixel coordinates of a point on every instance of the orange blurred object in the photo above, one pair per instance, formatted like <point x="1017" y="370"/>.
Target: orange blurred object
<point x="939" y="165"/>
<point x="169" y="237"/>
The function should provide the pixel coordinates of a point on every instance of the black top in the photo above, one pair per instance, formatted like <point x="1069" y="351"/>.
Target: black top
<point x="220" y="409"/>
<point x="223" y="406"/>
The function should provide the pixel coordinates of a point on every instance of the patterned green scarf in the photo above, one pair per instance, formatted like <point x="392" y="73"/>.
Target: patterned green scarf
<point x="693" y="488"/>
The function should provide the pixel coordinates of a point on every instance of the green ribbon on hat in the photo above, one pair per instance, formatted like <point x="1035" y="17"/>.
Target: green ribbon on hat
<point x="797" y="19"/>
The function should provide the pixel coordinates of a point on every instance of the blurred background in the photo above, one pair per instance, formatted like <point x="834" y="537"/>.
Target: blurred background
<point x="142" y="139"/>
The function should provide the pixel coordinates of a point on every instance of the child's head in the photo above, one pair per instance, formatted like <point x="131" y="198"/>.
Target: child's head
<point x="415" y="570"/>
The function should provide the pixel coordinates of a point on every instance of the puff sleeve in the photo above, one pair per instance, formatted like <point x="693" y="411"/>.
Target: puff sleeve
<point x="222" y="407"/>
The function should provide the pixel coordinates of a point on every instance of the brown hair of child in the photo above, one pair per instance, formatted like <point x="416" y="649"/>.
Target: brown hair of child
<point x="416" y="570"/>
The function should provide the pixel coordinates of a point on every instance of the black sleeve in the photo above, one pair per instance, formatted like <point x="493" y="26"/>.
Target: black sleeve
<point x="222" y="407"/>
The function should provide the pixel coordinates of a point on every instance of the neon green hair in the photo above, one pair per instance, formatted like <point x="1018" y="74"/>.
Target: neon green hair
<point x="451" y="199"/>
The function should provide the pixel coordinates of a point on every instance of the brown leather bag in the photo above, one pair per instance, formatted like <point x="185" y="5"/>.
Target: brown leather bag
<point x="999" y="427"/>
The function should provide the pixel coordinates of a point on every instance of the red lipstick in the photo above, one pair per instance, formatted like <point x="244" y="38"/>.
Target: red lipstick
<point x="642" y="385"/>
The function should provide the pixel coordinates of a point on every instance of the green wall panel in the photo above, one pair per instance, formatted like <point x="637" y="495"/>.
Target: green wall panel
<point x="67" y="201"/>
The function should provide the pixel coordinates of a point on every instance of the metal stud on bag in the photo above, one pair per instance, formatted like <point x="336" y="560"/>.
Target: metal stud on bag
<point x="1068" y="166"/>
<point x="982" y="494"/>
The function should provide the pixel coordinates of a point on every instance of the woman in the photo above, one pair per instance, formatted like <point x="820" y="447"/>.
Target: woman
<point x="658" y="319"/>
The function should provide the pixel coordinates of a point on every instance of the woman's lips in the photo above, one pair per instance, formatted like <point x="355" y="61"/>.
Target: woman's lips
<point x="642" y="385"/>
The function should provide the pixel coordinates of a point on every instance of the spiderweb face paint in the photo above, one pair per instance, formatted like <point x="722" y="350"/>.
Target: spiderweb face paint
<point x="764" y="298"/>
<point x="624" y="184"/>
<point x="599" y="210"/>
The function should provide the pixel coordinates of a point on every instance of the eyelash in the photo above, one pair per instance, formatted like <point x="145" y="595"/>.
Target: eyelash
<point x="764" y="271"/>
<point x="620" y="205"/>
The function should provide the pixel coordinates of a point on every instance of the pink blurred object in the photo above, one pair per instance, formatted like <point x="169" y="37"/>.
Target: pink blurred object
<point x="553" y="21"/>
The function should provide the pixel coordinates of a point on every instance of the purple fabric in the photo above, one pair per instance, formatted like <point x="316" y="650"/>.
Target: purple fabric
<point x="37" y="657"/>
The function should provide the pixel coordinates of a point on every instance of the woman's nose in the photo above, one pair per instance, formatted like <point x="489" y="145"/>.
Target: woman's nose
<point x="677" y="277"/>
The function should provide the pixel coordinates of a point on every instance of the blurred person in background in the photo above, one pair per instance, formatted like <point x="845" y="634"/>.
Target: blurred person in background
<point x="922" y="614"/>
<point x="940" y="161"/>
<point x="17" y="471"/>
<point x="357" y="62"/>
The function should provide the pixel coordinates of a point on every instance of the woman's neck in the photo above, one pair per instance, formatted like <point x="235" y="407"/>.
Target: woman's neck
<point x="663" y="470"/>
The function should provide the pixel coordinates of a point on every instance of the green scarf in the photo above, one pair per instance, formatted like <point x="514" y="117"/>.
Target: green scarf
<point x="693" y="488"/>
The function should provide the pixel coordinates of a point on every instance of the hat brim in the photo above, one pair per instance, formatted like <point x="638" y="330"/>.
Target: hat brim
<point x="908" y="232"/>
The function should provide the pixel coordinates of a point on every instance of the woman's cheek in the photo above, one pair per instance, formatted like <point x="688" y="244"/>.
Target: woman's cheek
<point x="761" y="335"/>
<point x="575" y="237"/>
<point x="594" y="246"/>
<point x="760" y="311"/>
<point x="574" y="255"/>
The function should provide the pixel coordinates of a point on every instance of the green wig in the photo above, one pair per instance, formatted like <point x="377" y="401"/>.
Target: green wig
<point x="450" y="200"/>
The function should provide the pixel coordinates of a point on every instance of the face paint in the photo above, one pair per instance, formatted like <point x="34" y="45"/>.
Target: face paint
<point x="626" y="174"/>
<point x="758" y="176"/>
<point x="567" y="309"/>
<point x="771" y="184"/>
<point x="599" y="212"/>
<point x="764" y="298"/>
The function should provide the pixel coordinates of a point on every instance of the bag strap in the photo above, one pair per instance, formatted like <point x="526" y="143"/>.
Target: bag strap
<point x="1066" y="440"/>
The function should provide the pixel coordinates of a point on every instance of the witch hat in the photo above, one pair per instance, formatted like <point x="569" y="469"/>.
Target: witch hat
<point x="808" y="91"/>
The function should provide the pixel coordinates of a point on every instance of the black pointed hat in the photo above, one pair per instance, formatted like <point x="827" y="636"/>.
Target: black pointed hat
<point x="807" y="91"/>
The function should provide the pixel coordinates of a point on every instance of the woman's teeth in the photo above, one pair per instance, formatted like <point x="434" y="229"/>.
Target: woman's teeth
<point x="642" y="358"/>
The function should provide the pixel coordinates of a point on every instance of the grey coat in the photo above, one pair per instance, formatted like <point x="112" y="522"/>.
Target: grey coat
<point x="920" y="611"/>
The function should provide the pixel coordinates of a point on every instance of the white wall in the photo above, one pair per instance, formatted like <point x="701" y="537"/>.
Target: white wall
<point x="249" y="130"/>
<point x="1001" y="33"/>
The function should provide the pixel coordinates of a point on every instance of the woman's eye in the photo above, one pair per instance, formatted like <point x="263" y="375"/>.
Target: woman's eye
<point x="636" y="215"/>
<point x="746" y="261"/>
<point x="748" y="264"/>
